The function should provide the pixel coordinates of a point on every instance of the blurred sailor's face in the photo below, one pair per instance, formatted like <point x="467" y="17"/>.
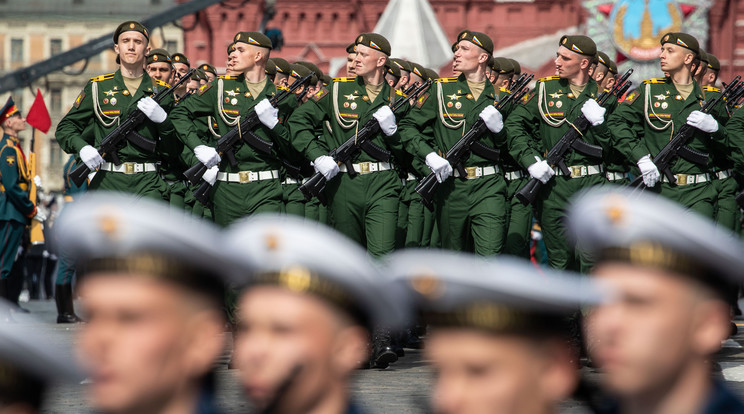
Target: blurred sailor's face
<point x="476" y="372"/>
<point x="144" y="341"/>
<point x="659" y="323"/>
<point x="296" y="343"/>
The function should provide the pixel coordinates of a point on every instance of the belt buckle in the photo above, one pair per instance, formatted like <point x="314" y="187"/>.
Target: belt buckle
<point x="470" y="172"/>
<point x="129" y="168"/>
<point x="364" y="167"/>
<point x="682" y="179"/>
<point x="576" y="171"/>
<point x="244" y="177"/>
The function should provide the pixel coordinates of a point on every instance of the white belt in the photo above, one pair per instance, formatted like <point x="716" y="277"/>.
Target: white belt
<point x="724" y="174"/>
<point x="247" y="176"/>
<point x="514" y="175"/>
<point x="128" y="167"/>
<point x="615" y="176"/>
<point x="367" y="167"/>
<point x="687" y="179"/>
<point x="578" y="171"/>
<point x="477" y="172"/>
<point x="290" y="180"/>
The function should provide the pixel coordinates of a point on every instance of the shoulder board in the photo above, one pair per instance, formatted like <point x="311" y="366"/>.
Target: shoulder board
<point x="548" y="78"/>
<point x="711" y="89"/>
<point x="204" y="88"/>
<point x="344" y="79"/>
<point x="655" y="80"/>
<point x="103" y="77"/>
<point x="228" y="76"/>
<point x="161" y="83"/>
<point x="446" y="80"/>
<point x="282" y="88"/>
<point x="505" y="90"/>
<point x="321" y="93"/>
<point x="420" y="101"/>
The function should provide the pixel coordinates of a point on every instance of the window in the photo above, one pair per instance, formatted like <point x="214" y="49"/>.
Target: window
<point x="55" y="47"/>
<point x="16" y="50"/>
<point x="55" y="100"/>
<point x="56" y="155"/>
<point x="171" y="46"/>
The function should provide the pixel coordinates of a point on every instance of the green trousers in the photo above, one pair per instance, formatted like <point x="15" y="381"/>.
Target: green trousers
<point x="699" y="197"/>
<point x="726" y="211"/>
<point x="316" y="211"/>
<point x="177" y="195"/>
<point x="365" y="209"/>
<point x="233" y="201"/>
<point x="555" y="197"/>
<point x="294" y="201"/>
<point x="520" y="221"/>
<point x="11" y="234"/>
<point x="148" y="184"/>
<point x="472" y="215"/>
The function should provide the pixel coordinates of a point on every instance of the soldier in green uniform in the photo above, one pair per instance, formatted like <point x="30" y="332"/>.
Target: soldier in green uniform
<point x="503" y="72"/>
<point x="470" y="211"/>
<point x="281" y="67"/>
<point x="649" y="117"/>
<point x="209" y="70"/>
<point x="350" y="56"/>
<point x="616" y="165"/>
<point x="405" y="70"/>
<point x="253" y="185"/>
<point x="547" y="115"/>
<point x="16" y="209"/>
<point x="108" y="99"/>
<point x="181" y="65"/>
<point x="159" y="65"/>
<point x="363" y="207"/>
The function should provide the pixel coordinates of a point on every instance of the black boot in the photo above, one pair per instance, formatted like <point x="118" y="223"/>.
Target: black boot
<point x="411" y="340"/>
<point x="65" y="310"/>
<point x="382" y="353"/>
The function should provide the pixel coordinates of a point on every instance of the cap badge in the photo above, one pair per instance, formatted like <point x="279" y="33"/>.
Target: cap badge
<point x="131" y="25"/>
<point x="576" y="49"/>
<point x="681" y="43"/>
<point x="476" y="41"/>
<point x="109" y="225"/>
<point x="296" y="278"/>
<point x="359" y="40"/>
<point x="464" y="35"/>
<point x="426" y="285"/>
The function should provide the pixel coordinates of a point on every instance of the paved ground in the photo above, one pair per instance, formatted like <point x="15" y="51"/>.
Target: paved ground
<point x="403" y="388"/>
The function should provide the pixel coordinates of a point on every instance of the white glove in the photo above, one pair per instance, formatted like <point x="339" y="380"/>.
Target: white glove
<point x="493" y="119"/>
<point x="91" y="157"/>
<point x="386" y="118"/>
<point x="649" y="171"/>
<point x="210" y="175"/>
<point x="540" y="170"/>
<point x="326" y="166"/>
<point x="267" y="114"/>
<point x="40" y="216"/>
<point x="37" y="181"/>
<point x="702" y="121"/>
<point x="152" y="110"/>
<point x="593" y="112"/>
<point x="207" y="155"/>
<point x="439" y="166"/>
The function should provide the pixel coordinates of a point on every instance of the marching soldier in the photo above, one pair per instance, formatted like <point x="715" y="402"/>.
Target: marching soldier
<point x="503" y="72"/>
<point x="325" y="294"/>
<point x="16" y="209"/>
<point x="671" y="272"/>
<point x="253" y="185"/>
<point x="108" y="99"/>
<point x="209" y="70"/>
<point x="181" y="66"/>
<point x="152" y="286"/>
<point x="405" y="71"/>
<point x="498" y="339"/>
<point x="650" y="116"/>
<point x="159" y="65"/>
<point x="470" y="211"/>
<point x="363" y="207"/>
<point x="616" y="165"/>
<point x="350" y="64"/>
<point x="559" y="100"/>
<point x="282" y="69"/>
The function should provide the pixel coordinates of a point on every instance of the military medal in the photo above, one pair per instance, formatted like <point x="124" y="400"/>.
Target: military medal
<point x="656" y="104"/>
<point x="469" y="96"/>
<point x="346" y="104"/>
<point x="234" y="101"/>
<point x="105" y="101"/>
<point x="458" y="105"/>
<point x="559" y="104"/>
<point x="449" y="104"/>
<point x="365" y="98"/>
<point x="353" y="105"/>
<point x="126" y="92"/>
<point x="247" y="94"/>
<point x="227" y="100"/>
<point x="113" y="101"/>
<point x="664" y="105"/>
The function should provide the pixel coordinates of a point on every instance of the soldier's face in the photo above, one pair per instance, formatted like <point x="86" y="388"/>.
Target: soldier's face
<point x="367" y="60"/>
<point x="245" y="57"/>
<point x="481" y="373"/>
<point x="286" y="336"/>
<point x="15" y="123"/>
<point x="210" y="76"/>
<point x="568" y="64"/>
<point x="281" y="79"/>
<point x="414" y="79"/>
<point x="161" y="71"/>
<point x="660" y="325"/>
<point x="468" y="57"/>
<point x="350" y="65"/>
<point x="131" y="48"/>
<point x="404" y="79"/>
<point x="144" y="342"/>
<point x="673" y="58"/>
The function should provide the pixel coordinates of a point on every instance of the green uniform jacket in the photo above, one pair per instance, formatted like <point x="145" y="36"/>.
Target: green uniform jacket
<point x="450" y="109"/>
<point x="226" y="100"/>
<point x="346" y="106"/>
<point x="14" y="202"/>
<point x="649" y="117"/>
<point x="507" y="161"/>
<point x="105" y="101"/>
<point x="549" y="112"/>
<point x="723" y="154"/>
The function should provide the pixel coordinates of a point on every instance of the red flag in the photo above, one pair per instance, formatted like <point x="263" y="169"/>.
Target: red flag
<point x="38" y="115"/>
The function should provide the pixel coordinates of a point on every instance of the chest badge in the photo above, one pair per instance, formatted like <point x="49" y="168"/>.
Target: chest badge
<point x="351" y="97"/>
<point x="458" y="105"/>
<point x="660" y="97"/>
<point x="353" y="105"/>
<point x="111" y="92"/>
<point x="664" y="105"/>
<point x="231" y="93"/>
<point x="678" y="97"/>
<point x="234" y="101"/>
<point x="453" y="97"/>
<point x="113" y="101"/>
<point x="556" y="95"/>
<point x="126" y="92"/>
<point x="559" y="104"/>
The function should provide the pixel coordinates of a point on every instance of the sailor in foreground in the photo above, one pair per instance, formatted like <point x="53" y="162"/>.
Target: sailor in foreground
<point x="30" y="364"/>
<point x="498" y="330"/>
<point x="672" y="271"/>
<point x="152" y="290"/>
<point x="311" y="298"/>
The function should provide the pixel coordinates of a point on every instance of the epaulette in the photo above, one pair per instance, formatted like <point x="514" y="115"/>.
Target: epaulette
<point x="711" y="89"/>
<point x="655" y="80"/>
<point x="420" y="101"/>
<point x="446" y="80"/>
<point x="502" y="89"/>
<point x="204" y="88"/>
<point x="344" y="79"/>
<point x="228" y="76"/>
<point x="548" y="78"/>
<point x="161" y="83"/>
<point x="321" y="93"/>
<point x="103" y="77"/>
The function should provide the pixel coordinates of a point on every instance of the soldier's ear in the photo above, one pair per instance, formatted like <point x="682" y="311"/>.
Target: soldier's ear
<point x="483" y="58"/>
<point x="689" y="58"/>
<point x="585" y="63"/>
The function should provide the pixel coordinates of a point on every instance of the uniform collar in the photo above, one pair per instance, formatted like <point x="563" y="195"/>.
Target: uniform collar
<point x="489" y="90"/>
<point x="145" y="85"/>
